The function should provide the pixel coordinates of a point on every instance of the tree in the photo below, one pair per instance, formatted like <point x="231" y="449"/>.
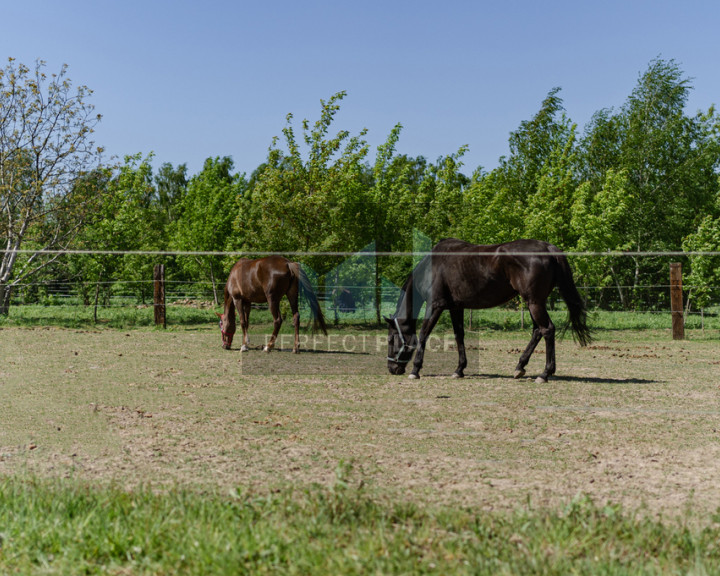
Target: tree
<point x="441" y="196"/>
<point x="669" y="160"/>
<point x="531" y="183"/>
<point x="125" y="220"/>
<point x="206" y="216"/>
<point x="704" y="278"/>
<point x="494" y="212"/>
<point x="45" y="149"/>
<point x="547" y="213"/>
<point x="598" y="222"/>
<point x="170" y="184"/>
<point x="533" y="144"/>
<point x="314" y="204"/>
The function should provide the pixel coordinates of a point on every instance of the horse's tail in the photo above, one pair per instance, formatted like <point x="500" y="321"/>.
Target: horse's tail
<point x="307" y="291"/>
<point x="577" y="312"/>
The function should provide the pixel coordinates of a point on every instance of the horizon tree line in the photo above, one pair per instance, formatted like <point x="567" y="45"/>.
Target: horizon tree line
<point x="640" y="178"/>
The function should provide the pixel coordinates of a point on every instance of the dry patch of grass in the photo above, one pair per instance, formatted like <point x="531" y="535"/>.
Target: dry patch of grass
<point x="633" y="419"/>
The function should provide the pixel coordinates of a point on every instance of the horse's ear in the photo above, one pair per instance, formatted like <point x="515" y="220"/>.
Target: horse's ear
<point x="218" y="315"/>
<point x="388" y="320"/>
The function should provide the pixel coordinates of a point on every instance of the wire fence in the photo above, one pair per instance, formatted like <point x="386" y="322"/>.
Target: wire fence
<point x="344" y="303"/>
<point x="350" y="292"/>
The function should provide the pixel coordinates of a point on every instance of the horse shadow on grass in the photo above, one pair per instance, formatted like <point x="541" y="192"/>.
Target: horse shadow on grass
<point x="302" y="351"/>
<point x="569" y="379"/>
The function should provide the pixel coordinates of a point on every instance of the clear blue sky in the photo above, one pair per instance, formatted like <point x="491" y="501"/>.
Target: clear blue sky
<point x="191" y="80"/>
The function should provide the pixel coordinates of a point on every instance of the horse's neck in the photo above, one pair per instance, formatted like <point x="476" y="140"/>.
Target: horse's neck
<point x="229" y="308"/>
<point x="408" y="308"/>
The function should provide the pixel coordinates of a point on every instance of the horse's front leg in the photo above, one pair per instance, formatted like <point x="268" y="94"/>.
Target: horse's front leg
<point x="428" y="324"/>
<point x="245" y="324"/>
<point x="458" y="324"/>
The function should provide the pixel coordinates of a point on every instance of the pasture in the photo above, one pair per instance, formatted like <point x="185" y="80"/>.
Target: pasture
<point x="630" y="421"/>
<point x="633" y="419"/>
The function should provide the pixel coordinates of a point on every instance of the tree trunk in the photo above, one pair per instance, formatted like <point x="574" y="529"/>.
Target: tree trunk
<point x="5" y="299"/>
<point x="97" y="297"/>
<point x="378" y="290"/>
<point x="214" y="286"/>
<point x="619" y="288"/>
<point x="336" y="297"/>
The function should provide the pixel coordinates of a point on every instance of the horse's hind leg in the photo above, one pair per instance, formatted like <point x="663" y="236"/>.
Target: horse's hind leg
<point x="292" y="296"/>
<point x="544" y="328"/>
<point x="525" y="356"/>
<point x="277" y="322"/>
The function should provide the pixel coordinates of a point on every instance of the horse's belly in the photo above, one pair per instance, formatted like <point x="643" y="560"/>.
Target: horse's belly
<point x="255" y="297"/>
<point x="487" y="295"/>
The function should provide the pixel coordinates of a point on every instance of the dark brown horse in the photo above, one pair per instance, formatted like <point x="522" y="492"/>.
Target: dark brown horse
<point x="457" y="275"/>
<point x="266" y="280"/>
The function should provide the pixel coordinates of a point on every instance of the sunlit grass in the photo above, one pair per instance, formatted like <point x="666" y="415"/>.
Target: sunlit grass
<point x="65" y="527"/>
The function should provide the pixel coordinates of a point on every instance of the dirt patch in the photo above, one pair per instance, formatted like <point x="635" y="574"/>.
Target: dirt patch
<point x="631" y="419"/>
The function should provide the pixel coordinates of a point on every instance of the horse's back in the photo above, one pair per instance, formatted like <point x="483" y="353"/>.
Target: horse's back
<point x="453" y="246"/>
<point x="531" y="267"/>
<point x="484" y="276"/>
<point x="251" y="280"/>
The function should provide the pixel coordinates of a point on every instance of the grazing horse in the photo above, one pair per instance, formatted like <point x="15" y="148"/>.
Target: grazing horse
<point x="266" y="280"/>
<point x="457" y="275"/>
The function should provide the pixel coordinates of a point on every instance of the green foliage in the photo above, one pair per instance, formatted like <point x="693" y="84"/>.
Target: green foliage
<point x="495" y="213"/>
<point x="598" y="222"/>
<point x="124" y="220"/>
<point x="521" y="197"/>
<point x="548" y="211"/>
<point x="704" y="278"/>
<point x="313" y="204"/>
<point x="440" y="196"/>
<point x="204" y="221"/>
<point x="669" y="158"/>
<point x="171" y="184"/>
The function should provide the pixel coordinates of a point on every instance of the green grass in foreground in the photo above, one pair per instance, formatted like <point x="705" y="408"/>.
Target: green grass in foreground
<point x="63" y="527"/>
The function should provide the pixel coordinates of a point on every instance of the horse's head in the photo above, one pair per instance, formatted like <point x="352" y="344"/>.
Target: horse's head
<point x="227" y="329"/>
<point x="401" y="345"/>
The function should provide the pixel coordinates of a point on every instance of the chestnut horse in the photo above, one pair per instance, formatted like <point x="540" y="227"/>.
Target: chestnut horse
<point x="266" y="280"/>
<point x="457" y="275"/>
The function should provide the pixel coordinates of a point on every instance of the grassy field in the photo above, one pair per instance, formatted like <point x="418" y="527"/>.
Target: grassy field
<point x="133" y="450"/>
<point x="122" y="314"/>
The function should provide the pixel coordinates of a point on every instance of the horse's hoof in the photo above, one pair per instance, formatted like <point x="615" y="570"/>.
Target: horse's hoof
<point x="266" y="348"/>
<point x="413" y="376"/>
<point x="296" y="351"/>
<point x="519" y="374"/>
<point x="457" y="375"/>
<point x="540" y="380"/>
<point x="244" y="348"/>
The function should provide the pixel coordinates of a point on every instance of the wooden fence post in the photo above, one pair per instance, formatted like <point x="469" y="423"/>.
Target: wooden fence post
<point x="159" y="295"/>
<point x="676" y="301"/>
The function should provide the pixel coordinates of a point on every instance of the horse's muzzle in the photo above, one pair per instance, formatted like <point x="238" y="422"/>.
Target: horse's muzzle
<point x="396" y="369"/>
